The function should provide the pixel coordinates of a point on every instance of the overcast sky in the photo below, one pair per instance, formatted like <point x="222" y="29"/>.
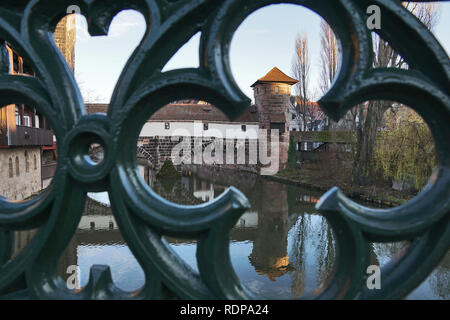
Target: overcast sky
<point x="264" y="40"/>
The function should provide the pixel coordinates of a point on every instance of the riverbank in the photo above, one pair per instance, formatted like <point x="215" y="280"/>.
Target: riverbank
<point x="309" y="178"/>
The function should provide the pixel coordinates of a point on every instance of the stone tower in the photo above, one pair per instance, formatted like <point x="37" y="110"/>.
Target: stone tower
<point x="272" y="98"/>
<point x="65" y="36"/>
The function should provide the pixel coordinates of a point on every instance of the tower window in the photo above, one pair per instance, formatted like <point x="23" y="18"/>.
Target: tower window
<point x="205" y="126"/>
<point x="279" y="126"/>
<point x="276" y="89"/>
<point x="244" y="128"/>
<point x="167" y="125"/>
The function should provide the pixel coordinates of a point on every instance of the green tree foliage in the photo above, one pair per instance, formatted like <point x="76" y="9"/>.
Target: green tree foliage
<point x="292" y="153"/>
<point x="168" y="170"/>
<point x="405" y="148"/>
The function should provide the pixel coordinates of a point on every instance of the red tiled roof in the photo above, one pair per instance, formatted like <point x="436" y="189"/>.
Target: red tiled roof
<point x="314" y="109"/>
<point x="275" y="75"/>
<point x="191" y="111"/>
<point x="200" y="112"/>
<point x="96" y="108"/>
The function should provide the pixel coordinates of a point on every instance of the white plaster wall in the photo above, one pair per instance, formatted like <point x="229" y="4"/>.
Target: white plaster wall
<point x="100" y="222"/>
<point x="195" y="129"/>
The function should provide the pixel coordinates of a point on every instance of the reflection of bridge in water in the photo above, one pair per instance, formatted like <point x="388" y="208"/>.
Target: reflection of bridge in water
<point x="98" y="227"/>
<point x="265" y="225"/>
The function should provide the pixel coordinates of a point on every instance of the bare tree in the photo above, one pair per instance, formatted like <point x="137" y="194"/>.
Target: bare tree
<point x="301" y="66"/>
<point x="329" y="60"/>
<point x="427" y="13"/>
<point x="89" y="95"/>
<point x="329" y="57"/>
<point x="385" y="56"/>
<point x="365" y="119"/>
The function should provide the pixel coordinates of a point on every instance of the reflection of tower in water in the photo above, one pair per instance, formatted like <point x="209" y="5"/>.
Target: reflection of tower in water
<point x="269" y="255"/>
<point x="310" y="240"/>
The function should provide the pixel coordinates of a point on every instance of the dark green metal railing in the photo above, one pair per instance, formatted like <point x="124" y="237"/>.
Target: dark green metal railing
<point x="143" y="217"/>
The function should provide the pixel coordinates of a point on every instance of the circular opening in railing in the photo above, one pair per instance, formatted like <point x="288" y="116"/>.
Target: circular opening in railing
<point x="285" y="49"/>
<point x="179" y="159"/>
<point x="86" y="151"/>
<point x="380" y="154"/>
<point x="189" y="153"/>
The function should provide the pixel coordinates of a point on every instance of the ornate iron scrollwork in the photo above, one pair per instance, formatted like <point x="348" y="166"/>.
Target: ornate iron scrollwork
<point x="143" y="216"/>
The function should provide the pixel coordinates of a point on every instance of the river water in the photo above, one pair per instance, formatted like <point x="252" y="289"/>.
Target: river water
<point x="281" y="248"/>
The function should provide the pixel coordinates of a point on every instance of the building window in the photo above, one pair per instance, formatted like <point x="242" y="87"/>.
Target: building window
<point x="16" y="63"/>
<point x="27" y="121"/>
<point x="35" y="162"/>
<point x="205" y="126"/>
<point x="276" y="89"/>
<point x="27" y="162"/>
<point x="17" y="166"/>
<point x="18" y="122"/>
<point x="293" y="117"/>
<point x="244" y="128"/>
<point x="167" y="125"/>
<point x="11" y="169"/>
